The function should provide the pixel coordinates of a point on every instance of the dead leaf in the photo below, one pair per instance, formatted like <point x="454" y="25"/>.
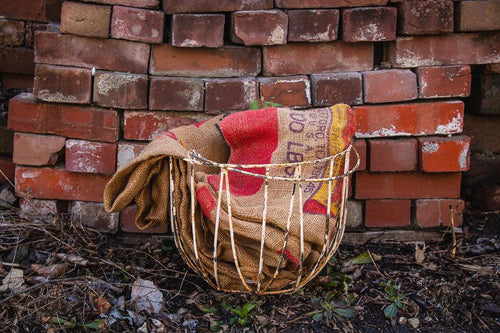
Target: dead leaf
<point x="419" y="252"/>
<point x="102" y="305"/>
<point x="484" y="270"/>
<point x="14" y="281"/>
<point x="73" y="259"/>
<point x="146" y="296"/>
<point x="50" y="272"/>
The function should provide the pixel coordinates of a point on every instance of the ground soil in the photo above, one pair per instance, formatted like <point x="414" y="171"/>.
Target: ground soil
<point x="76" y="279"/>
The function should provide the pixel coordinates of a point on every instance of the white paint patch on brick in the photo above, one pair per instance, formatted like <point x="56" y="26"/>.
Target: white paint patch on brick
<point x="189" y="43"/>
<point x="409" y="59"/>
<point x="277" y="36"/>
<point x="383" y="132"/>
<point x="454" y="126"/>
<point x="48" y="96"/>
<point x="249" y="94"/>
<point x="464" y="153"/>
<point x="107" y="82"/>
<point x="430" y="147"/>
<point x="30" y="174"/>
<point x="370" y="33"/>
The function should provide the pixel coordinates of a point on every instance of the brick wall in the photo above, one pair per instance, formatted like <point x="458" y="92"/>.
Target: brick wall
<point x="120" y="72"/>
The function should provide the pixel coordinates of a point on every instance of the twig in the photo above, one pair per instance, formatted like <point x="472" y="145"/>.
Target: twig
<point x="453" y="235"/>
<point x="7" y="178"/>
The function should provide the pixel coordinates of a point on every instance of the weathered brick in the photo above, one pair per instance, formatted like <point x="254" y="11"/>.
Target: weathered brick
<point x="288" y="91"/>
<point x="146" y="125"/>
<point x="93" y="215"/>
<point x="55" y="183"/>
<point x="444" y="81"/>
<point x="121" y="90"/>
<point x="354" y="214"/>
<point x="205" y="62"/>
<point x="6" y="139"/>
<point x="431" y="213"/>
<point x="127" y="223"/>
<point x="360" y="146"/>
<point x="85" y="19"/>
<point x="53" y="10"/>
<point x="493" y="68"/>
<point x="442" y="154"/>
<point x="171" y="93"/>
<point x="308" y="58"/>
<point x="487" y="197"/>
<point x="484" y="133"/>
<point x="71" y="50"/>
<point x="230" y="94"/>
<point x="485" y="94"/>
<point x="389" y="85"/>
<point x="130" y="3"/>
<point x="333" y="88"/>
<point x="33" y="27"/>
<point x="90" y="156"/>
<point x="439" y="50"/>
<point x="38" y="150"/>
<point x="127" y="151"/>
<point x="17" y="60"/>
<point x="29" y="10"/>
<point x="407" y="185"/>
<point x="90" y="123"/>
<point x="8" y="169"/>
<point x="143" y="25"/>
<point x="327" y="3"/>
<point x="387" y="213"/>
<point x="11" y="32"/>
<point x="198" y="30"/>
<point x="63" y="84"/>
<point x="425" y="17"/>
<point x="409" y="119"/>
<point x="478" y="15"/>
<point x="259" y="27"/>
<point x="208" y="6"/>
<point x="42" y="208"/>
<point x="313" y="25"/>
<point x="17" y="81"/>
<point x="369" y="24"/>
<point x="393" y="155"/>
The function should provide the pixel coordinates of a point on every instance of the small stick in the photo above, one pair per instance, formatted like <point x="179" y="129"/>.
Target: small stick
<point x="453" y="235"/>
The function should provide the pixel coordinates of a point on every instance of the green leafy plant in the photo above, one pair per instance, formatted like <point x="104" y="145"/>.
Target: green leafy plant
<point x="255" y="105"/>
<point x="395" y="298"/>
<point x="329" y="309"/>
<point x="242" y="313"/>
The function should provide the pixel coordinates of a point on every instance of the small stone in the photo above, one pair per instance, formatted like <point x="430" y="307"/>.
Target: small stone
<point x="402" y="320"/>
<point x="414" y="322"/>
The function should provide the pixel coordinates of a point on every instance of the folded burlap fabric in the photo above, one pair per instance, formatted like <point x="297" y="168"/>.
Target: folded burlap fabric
<point x="267" y="136"/>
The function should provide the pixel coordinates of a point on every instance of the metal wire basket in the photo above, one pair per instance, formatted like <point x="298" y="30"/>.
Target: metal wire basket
<point x="193" y="233"/>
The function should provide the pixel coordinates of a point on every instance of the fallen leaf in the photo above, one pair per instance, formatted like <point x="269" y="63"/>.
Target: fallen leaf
<point x="14" y="281"/>
<point x="146" y="296"/>
<point x="102" y="305"/>
<point x="485" y="270"/>
<point x="73" y="259"/>
<point x="419" y="252"/>
<point x="50" y="272"/>
<point x="365" y="258"/>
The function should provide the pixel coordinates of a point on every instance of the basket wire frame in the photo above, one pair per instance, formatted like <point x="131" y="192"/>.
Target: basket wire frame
<point x="330" y="242"/>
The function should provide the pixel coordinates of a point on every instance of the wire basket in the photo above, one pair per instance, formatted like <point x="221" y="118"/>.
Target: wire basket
<point x="213" y="247"/>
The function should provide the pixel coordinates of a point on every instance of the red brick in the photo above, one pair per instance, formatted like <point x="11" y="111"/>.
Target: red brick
<point x="127" y="223"/>
<point x="309" y="58"/>
<point x="63" y="84"/>
<point x="360" y="146"/>
<point x="46" y="183"/>
<point x="333" y="88"/>
<point x="354" y="217"/>
<point x="425" y="17"/>
<point x="444" y="81"/>
<point x="451" y="49"/>
<point x="327" y="3"/>
<point x="442" y="154"/>
<point x="33" y="27"/>
<point x="208" y="6"/>
<point x="141" y="25"/>
<point x="170" y="93"/>
<point x="29" y="10"/>
<point x="42" y="208"/>
<point x="437" y="212"/>
<point x="17" y="60"/>
<point x="369" y="24"/>
<point x="478" y="15"/>
<point x="294" y="91"/>
<point x="230" y="94"/>
<point x="393" y="155"/>
<point x="259" y="27"/>
<point x="205" y="62"/>
<point x="11" y="33"/>
<point x="387" y="213"/>
<point x="319" y="25"/>
<point x="8" y="169"/>
<point x="146" y="125"/>
<point x="53" y="10"/>
<point x="409" y="119"/>
<point x="198" y="30"/>
<point x="17" y="81"/>
<point x="121" y="90"/>
<point x="127" y="151"/>
<point x="389" y="85"/>
<point x="85" y="19"/>
<point x="90" y="156"/>
<point x="71" y="50"/>
<point x="38" y="150"/>
<point x="90" y="123"/>
<point x="484" y="133"/>
<point x="93" y="215"/>
<point x="129" y="3"/>
<point x="407" y="185"/>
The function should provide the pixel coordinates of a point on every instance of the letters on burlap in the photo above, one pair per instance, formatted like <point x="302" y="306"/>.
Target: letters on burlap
<point x="266" y="136"/>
